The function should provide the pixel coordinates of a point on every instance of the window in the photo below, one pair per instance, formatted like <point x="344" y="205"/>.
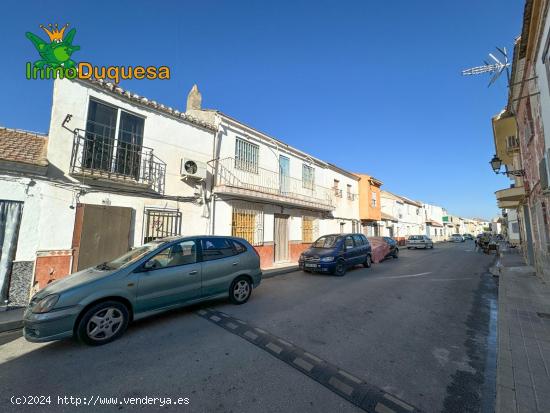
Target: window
<point x="337" y="190"/>
<point x="100" y="136"/>
<point x="348" y="243"/>
<point x="327" y="241"/>
<point x="348" y="192"/>
<point x="178" y="254"/>
<point x="247" y="222"/>
<point x="102" y="151"/>
<point x="309" y="229"/>
<point x="216" y="248"/>
<point x="130" y="139"/>
<point x="342" y="227"/>
<point x="308" y="176"/>
<point x="358" y="240"/>
<point x="239" y="248"/>
<point x="161" y="223"/>
<point x="373" y="199"/>
<point x="246" y="156"/>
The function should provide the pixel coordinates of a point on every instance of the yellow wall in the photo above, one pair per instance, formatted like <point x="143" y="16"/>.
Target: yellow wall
<point x="366" y="188"/>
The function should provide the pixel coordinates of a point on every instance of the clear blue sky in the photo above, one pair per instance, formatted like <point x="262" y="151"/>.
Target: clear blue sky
<point x="373" y="87"/>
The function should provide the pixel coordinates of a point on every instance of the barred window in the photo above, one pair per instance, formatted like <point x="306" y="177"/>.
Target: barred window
<point x="308" y="176"/>
<point x="161" y="223"/>
<point x="246" y="156"/>
<point x="309" y="229"/>
<point x="248" y="223"/>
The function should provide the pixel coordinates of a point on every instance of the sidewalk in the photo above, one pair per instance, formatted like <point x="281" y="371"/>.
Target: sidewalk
<point x="523" y="363"/>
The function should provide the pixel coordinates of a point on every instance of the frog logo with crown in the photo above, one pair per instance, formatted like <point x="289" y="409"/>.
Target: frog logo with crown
<point x="58" y="52"/>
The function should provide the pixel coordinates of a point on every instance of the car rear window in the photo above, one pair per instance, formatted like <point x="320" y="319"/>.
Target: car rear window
<point x="415" y="237"/>
<point x="239" y="248"/>
<point x="216" y="248"/>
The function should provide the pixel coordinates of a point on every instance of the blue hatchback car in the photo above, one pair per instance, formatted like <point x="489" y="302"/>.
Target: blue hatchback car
<point x="335" y="253"/>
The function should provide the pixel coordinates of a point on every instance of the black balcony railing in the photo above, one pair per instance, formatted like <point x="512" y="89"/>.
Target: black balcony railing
<point x="104" y="157"/>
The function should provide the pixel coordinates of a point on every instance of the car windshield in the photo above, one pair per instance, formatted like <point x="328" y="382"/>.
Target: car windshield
<point x="130" y="257"/>
<point x="328" y="241"/>
<point x="415" y="237"/>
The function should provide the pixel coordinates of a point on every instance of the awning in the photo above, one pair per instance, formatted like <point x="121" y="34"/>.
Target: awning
<point x="433" y="223"/>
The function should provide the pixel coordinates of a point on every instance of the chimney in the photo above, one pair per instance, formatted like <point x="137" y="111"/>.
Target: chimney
<point x="194" y="99"/>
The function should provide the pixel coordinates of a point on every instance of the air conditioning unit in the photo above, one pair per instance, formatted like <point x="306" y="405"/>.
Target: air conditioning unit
<point x="191" y="168"/>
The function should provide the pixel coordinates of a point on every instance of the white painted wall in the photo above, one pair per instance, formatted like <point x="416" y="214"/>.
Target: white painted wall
<point x="269" y="153"/>
<point x="49" y="208"/>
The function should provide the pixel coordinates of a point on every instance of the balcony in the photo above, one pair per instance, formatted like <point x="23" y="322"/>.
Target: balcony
<point x="510" y="197"/>
<point x="505" y="135"/>
<point x="256" y="183"/>
<point x="112" y="161"/>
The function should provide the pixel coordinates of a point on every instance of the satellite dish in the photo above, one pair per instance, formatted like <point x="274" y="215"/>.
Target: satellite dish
<point x="190" y="167"/>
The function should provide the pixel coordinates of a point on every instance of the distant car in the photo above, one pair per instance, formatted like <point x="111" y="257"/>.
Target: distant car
<point x="335" y="253"/>
<point x="97" y="304"/>
<point x="456" y="238"/>
<point x="419" y="241"/>
<point x="468" y="236"/>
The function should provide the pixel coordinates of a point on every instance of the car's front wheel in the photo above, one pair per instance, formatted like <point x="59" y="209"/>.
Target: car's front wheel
<point x="240" y="290"/>
<point x="103" y="323"/>
<point x="368" y="261"/>
<point x="340" y="268"/>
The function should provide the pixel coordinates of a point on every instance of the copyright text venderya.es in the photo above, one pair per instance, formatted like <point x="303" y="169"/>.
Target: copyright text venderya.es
<point x="94" y="400"/>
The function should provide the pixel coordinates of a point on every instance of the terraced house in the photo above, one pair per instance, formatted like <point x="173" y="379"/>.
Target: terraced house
<point x="117" y="170"/>
<point x="277" y="197"/>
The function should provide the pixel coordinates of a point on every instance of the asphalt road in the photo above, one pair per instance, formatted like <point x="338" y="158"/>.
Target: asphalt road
<point x="420" y="328"/>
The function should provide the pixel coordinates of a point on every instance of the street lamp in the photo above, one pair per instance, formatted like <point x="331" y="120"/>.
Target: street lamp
<point x="496" y="164"/>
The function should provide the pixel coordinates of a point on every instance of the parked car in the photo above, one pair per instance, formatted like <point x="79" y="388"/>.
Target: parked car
<point x="335" y="253"/>
<point x="97" y="304"/>
<point x="456" y="238"/>
<point x="468" y="237"/>
<point x="419" y="241"/>
<point x="394" y="248"/>
<point x="383" y="247"/>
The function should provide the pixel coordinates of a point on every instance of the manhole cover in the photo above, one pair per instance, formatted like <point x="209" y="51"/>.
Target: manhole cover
<point x="543" y="315"/>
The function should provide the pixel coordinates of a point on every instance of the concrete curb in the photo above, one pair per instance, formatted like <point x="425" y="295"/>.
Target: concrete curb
<point x="279" y="271"/>
<point x="11" y="320"/>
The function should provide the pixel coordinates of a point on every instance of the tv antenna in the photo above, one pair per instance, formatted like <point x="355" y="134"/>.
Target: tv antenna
<point x="495" y="68"/>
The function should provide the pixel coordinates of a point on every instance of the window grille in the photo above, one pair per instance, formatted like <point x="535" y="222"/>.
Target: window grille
<point x="247" y="222"/>
<point x="309" y="229"/>
<point x="246" y="156"/>
<point x="161" y="223"/>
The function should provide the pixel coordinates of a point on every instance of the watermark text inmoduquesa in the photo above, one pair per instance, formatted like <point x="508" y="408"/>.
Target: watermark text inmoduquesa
<point x="56" y="61"/>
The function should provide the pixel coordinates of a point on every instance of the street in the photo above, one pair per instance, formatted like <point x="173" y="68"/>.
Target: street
<point x="420" y="328"/>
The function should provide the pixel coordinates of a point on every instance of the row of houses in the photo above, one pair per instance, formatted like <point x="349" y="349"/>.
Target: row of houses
<point x="522" y="146"/>
<point x="117" y="170"/>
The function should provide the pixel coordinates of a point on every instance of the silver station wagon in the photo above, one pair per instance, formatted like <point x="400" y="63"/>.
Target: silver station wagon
<point x="97" y="304"/>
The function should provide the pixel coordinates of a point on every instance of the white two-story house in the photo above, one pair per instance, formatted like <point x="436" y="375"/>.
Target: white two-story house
<point x="277" y="197"/>
<point x="113" y="177"/>
<point x="401" y="216"/>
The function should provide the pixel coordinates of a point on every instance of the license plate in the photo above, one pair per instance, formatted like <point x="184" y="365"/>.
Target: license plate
<point x="311" y="265"/>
